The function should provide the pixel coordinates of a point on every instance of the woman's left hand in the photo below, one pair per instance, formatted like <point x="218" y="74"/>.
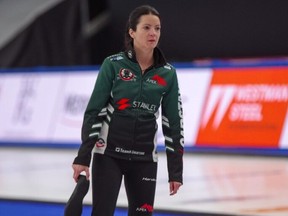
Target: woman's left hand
<point x="174" y="187"/>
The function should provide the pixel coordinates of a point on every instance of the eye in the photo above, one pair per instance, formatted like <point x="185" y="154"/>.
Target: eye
<point x="158" y="28"/>
<point x="146" y="27"/>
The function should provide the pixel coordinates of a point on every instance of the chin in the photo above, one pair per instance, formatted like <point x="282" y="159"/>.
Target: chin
<point x="152" y="46"/>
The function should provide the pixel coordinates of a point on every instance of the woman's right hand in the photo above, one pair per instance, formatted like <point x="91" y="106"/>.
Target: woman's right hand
<point x="78" y="169"/>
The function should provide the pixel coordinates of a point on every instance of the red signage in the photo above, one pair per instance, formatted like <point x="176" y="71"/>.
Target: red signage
<point x="245" y="107"/>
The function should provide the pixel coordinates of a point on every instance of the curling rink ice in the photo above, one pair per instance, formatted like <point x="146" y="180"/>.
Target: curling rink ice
<point x="213" y="183"/>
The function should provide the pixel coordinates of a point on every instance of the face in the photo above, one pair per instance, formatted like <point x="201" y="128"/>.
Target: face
<point x="147" y="32"/>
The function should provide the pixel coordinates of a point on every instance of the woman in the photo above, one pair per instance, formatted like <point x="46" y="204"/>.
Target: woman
<point x="120" y="121"/>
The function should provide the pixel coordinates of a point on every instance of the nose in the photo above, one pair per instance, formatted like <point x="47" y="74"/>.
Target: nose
<point x="152" y="32"/>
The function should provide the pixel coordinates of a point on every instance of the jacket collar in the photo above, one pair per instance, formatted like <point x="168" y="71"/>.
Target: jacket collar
<point x="159" y="59"/>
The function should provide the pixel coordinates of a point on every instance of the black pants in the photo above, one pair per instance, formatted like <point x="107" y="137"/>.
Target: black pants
<point x="139" y="181"/>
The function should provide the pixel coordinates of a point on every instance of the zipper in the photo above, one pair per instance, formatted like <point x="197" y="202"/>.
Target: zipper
<point x="137" y="111"/>
<point x="139" y="96"/>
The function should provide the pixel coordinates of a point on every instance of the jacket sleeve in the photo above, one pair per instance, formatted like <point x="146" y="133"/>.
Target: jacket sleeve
<point x="172" y="126"/>
<point x="95" y="113"/>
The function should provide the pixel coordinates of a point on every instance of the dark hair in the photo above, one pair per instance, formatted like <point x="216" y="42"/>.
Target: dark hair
<point x="134" y="20"/>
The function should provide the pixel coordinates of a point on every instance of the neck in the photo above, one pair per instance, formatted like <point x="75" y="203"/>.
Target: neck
<point x="144" y="58"/>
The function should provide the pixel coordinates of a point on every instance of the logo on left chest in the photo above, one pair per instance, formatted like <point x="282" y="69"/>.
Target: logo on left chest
<point x="157" y="80"/>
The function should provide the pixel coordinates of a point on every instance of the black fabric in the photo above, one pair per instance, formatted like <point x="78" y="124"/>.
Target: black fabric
<point x="139" y="180"/>
<point x="123" y="138"/>
<point x="75" y="202"/>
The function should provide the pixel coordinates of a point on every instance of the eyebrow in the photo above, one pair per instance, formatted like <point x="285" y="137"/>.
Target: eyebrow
<point x="151" y="25"/>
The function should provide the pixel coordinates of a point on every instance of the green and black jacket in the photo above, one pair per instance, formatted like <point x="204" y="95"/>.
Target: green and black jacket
<point x="120" y="119"/>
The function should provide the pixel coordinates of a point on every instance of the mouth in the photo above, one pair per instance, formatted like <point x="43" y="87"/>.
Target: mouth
<point x="152" y="41"/>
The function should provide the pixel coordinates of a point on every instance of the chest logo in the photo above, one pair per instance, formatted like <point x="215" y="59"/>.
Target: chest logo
<point x="126" y="74"/>
<point x="156" y="79"/>
<point x="123" y="103"/>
